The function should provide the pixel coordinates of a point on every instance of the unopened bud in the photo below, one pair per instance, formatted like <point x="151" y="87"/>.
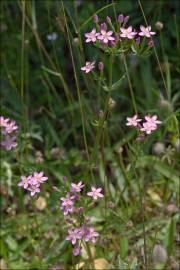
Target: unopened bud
<point x="159" y="25"/>
<point x="110" y="205"/>
<point x="111" y="103"/>
<point x="158" y="148"/>
<point x="103" y="26"/>
<point x="138" y="40"/>
<point x="101" y="66"/>
<point x="76" y="41"/>
<point x="120" y="18"/>
<point x="151" y="44"/>
<point x="126" y="19"/>
<point x="95" y="18"/>
<point x="101" y="114"/>
<point x="177" y="145"/>
<point x="108" y="19"/>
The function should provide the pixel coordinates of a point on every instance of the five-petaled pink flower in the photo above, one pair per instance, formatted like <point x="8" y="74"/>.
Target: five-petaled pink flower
<point x="90" y="234"/>
<point x="105" y="36"/>
<point x="3" y="121"/>
<point x="88" y="67"/>
<point x="133" y="121"/>
<point x="9" y="142"/>
<point x="39" y="178"/>
<point x="32" y="182"/>
<point x="95" y="193"/>
<point x="146" y="31"/>
<point x="127" y="32"/>
<point x="91" y="36"/>
<point x="74" y="235"/>
<point x="150" y="124"/>
<point x="34" y="189"/>
<point x="10" y="127"/>
<point x="76" y="187"/>
<point x="25" y="181"/>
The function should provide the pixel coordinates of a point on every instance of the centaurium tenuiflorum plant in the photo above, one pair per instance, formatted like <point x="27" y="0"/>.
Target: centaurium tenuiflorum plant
<point x="74" y="205"/>
<point x="8" y="133"/>
<point x="119" y="37"/>
<point x="33" y="182"/>
<point x="145" y="127"/>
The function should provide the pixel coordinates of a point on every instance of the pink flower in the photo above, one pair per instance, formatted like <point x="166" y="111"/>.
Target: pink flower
<point x="146" y="31"/>
<point x="34" y="189"/>
<point x="3" y="121"/>
<point x="74" y="235"/>
<point x="105" y="36"/>
<point x="77" y="250"/>
<point x="88" y="67"/>
<point x="39" y="178"/>
<point x="92" y="36"/>
<point x="25" y="181"/>
<point x="150" y="124"/>
<point x="90" y="234"/>
<point x="67" y="209"/>
<point x="127" y="32"/>
<point x="9" y="142"/>
<point x="95" y="193"/>
<point x="76" y="187"/>
<point x="133" y="121"/>
<point x="32" y="183"/>
<point x="10" y="127"/>
<point x="68" y="200"/>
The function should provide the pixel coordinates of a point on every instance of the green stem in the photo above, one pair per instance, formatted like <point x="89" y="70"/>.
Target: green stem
<point x="129" y="82"/>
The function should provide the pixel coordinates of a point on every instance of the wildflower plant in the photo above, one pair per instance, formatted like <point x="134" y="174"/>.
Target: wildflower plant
<point x="114" y="39"/>
<point x="75" y="205"/>
<point x="120" y="37"/>
<point x="8" y="133"/>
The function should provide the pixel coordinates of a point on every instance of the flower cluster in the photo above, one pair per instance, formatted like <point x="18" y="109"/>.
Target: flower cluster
<point x="118" y="38"/>
<point x="80" y="230"/>
<point x="32" y="182"/>
<point x="149" y="124"/>
<point x="8" y="133"/>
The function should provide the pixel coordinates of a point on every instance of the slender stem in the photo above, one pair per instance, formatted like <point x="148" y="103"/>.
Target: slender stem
<point x="78" y="91"/>
<point x="129" y="82"/>
<point x="141" y="199"/>
<point x="155" y="52"/>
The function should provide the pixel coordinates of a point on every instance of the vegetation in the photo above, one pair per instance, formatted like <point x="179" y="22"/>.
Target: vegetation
<point x="89" y="168"/>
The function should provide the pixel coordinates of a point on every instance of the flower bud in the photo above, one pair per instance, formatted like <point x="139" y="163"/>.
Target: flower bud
<point x="95" y="18"/>
<point x="120" y="18"/>
<point x="126" y="19"/>
<point x="75" y="41"/>
<point x="101" y="66"/>
<point x="177" y="145"/>
<point x="138" y="40"/>
<point x="111" y="103"/>
<point x="108" y="19"/>
<point x="103" y="26"/>
<point x="159" y="25"/>
<point x="158" y="148"/>
<point x="151" y="44"/>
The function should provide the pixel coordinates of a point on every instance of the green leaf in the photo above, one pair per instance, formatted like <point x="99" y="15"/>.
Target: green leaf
<point x="116" y="85"/>
<point x="11" y="242"/>
<point x="169" y="240"/>
<point x="123" y="247"/>
<point x="51" y="71"/>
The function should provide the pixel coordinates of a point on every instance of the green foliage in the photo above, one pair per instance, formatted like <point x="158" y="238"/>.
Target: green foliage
<point x="58" y="111"/>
